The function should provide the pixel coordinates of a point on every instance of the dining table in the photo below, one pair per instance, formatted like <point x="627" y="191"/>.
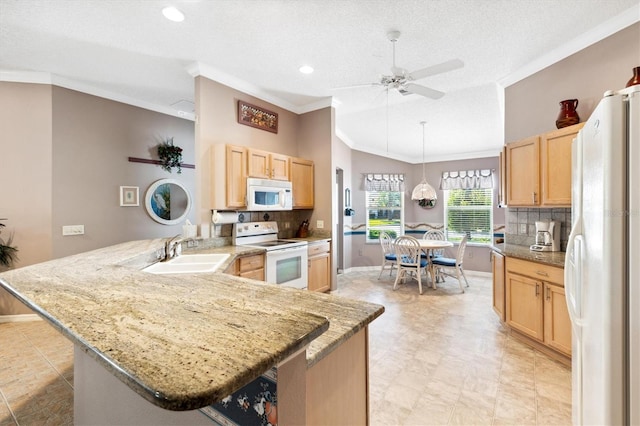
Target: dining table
<point x="428" y="246"/>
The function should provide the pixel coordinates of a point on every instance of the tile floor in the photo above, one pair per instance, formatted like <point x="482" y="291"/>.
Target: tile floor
<point x="438" y="358"/>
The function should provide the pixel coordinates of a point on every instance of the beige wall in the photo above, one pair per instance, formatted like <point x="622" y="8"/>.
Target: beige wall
<point x="216" y="106"/>
<point x="26" y="175"/>
<point x="92" y="140"/>
<point x="532" y="104"/>
<point x="66" y="155"/>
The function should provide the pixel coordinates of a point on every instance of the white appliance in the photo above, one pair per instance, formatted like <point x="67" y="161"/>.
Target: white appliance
<point x="547" y="236"/>
<point x="286" y="260"/>
<point x="268" y="195"/>
<point x="602" y="273"/>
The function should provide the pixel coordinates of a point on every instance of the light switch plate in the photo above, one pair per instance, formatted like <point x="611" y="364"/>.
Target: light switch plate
<point x="72" y="230"/>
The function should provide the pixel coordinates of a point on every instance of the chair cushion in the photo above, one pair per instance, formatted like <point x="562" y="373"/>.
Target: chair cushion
<point x="443" y="261"/>
<point x="390" y="257"/>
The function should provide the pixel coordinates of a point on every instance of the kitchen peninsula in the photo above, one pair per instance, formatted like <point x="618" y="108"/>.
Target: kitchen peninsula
<point x="185" y="341"/>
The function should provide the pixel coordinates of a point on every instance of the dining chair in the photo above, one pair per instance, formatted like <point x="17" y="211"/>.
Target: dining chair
<point x="452" y="267"/>
<point x="408" y="251"/>
<point x="388" y="254"/>
<point x="435" y="235"/>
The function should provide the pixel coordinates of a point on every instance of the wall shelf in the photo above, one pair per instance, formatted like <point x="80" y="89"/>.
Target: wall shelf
<point x="157" y="162"/>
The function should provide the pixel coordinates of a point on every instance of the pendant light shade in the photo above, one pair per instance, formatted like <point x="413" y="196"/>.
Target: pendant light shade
<point x="423" y="192"/>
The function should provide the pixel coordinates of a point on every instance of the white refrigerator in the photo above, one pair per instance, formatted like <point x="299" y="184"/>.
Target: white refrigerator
<point x="602" y="266"/>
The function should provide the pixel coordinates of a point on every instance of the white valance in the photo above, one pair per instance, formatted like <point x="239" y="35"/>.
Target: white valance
<point x="467" y="179"/>
<point x="384" y="182"/>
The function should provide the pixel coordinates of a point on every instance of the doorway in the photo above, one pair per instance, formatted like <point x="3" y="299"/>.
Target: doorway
<point x="339" y="231"/>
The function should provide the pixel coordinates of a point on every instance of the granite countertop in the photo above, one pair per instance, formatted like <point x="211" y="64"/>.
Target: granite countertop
<point x="553" y="258"/>
<point x="182" y="341"/>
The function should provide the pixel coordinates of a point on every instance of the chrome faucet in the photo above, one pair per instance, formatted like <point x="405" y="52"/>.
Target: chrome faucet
<point x="172" y="247"/>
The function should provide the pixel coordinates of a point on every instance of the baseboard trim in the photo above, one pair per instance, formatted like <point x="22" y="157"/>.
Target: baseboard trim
<point x="377" y="268"/>
<point x="19" y="318"/>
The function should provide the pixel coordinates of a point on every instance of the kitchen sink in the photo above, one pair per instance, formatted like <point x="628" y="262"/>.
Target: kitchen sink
<point x="189" y="264"/>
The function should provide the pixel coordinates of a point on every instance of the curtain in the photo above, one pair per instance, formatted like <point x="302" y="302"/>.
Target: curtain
<point x="384" y="182"/>
<point x="467" y="179"/>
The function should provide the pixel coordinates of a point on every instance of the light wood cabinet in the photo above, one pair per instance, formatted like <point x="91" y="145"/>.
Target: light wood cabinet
<point x="267" y="165"/>
<point x="502" y="185"/>
<point x="497" y="269"/>
<point x="539" y="169"/>
<point x="523" y="172"/>
<point x="229" y="177"/>
<point x="248" y="267"/>
<point x="302" y="182"/>
<point x="319" y="278"/>
<point x="555" y="152"/>
<point x="557" y="324"/>
<point x="535" y="304"/>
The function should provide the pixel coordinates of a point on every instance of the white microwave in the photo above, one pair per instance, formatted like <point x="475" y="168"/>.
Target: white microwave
<point x="267" y="194"/>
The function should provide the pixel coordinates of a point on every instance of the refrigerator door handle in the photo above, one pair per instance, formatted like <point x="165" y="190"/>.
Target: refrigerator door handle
<point x="572" y="272"/>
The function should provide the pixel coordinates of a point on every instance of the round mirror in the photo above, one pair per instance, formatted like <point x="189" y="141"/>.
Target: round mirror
<point x="167" y="201"/>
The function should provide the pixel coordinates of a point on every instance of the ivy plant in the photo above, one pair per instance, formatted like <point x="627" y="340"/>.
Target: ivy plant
<point x="170" y="155"/>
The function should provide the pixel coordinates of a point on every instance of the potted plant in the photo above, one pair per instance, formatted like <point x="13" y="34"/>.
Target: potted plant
<point x="170" y="155"/>
<point x="8" y="253"/>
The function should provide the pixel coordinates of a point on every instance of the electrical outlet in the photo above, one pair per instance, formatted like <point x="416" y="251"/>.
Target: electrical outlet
<point x="320" y="224"/>
<point x="192" y="243"/>
<point x="287" y="225"/>
<point x="72" y="230"/>
<point x="360" y="252"/>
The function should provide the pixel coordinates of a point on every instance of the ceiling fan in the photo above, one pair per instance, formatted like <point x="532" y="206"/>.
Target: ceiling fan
<point x="403" y="81"/>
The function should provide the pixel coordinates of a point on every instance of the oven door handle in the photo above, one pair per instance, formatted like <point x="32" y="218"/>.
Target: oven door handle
<point x="287" y="250"/>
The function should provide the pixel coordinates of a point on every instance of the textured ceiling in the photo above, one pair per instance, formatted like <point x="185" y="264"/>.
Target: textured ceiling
<point x="126" y="48"/>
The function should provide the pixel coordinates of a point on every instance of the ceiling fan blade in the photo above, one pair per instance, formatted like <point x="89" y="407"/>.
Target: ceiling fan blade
<point x="421" y="90"/>
<point x="451" y="65"/>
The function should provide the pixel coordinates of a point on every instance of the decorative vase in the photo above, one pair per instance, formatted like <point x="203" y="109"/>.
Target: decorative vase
<point x="568" y="115"/>
<point x="635" y="79"/>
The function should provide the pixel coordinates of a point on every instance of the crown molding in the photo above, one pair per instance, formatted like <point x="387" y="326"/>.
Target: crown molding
<point x="200" y="69"/>
<point x="67" y="83"/>
<point x="602" y="31"/>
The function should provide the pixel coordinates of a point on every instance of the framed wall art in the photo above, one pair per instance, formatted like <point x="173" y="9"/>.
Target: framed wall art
<point x="129" y="196"/>
<point x="258" y="117"/>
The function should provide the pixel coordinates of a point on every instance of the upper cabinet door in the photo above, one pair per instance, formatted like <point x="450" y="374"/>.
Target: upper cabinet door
<point x="302" y="183"/>
<point x="268" y="165"/>
<point x="280" y="167"/>
<point x="258" y="164"/>
<point x="523" y="172"/>
<point x="555" y="153"/>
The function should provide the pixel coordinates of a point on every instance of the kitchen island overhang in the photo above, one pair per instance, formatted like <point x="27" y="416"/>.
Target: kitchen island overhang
<point x="184" y="342"/>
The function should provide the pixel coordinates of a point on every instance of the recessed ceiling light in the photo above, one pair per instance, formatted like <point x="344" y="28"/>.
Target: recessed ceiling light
<point x="306" y="69"/>
<point x="173" y="14"/>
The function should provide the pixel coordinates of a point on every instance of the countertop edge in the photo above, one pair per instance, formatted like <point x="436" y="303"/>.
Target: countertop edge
<point x="522" y="252"/>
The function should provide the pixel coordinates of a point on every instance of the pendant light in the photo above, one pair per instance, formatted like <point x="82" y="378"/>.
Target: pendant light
<point x="423" y="192"/>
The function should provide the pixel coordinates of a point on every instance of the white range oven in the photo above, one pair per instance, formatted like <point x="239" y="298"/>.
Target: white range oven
<point x="286" y="260"/>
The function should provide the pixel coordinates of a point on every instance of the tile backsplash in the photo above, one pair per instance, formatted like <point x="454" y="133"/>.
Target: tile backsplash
<point x="288" y="222"/>
<point x="521" y="224"/>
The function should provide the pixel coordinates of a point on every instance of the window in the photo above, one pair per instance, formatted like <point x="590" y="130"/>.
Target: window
<point x="470" y="212"/>
<point x="385" y="212"/>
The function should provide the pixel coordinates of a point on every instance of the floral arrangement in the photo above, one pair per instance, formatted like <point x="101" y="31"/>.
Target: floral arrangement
<point x="170" y="155"/>
<point x="8" y="253"/>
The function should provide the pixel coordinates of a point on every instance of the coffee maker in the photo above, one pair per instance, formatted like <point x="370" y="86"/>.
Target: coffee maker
<point x="547" y="236"/>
